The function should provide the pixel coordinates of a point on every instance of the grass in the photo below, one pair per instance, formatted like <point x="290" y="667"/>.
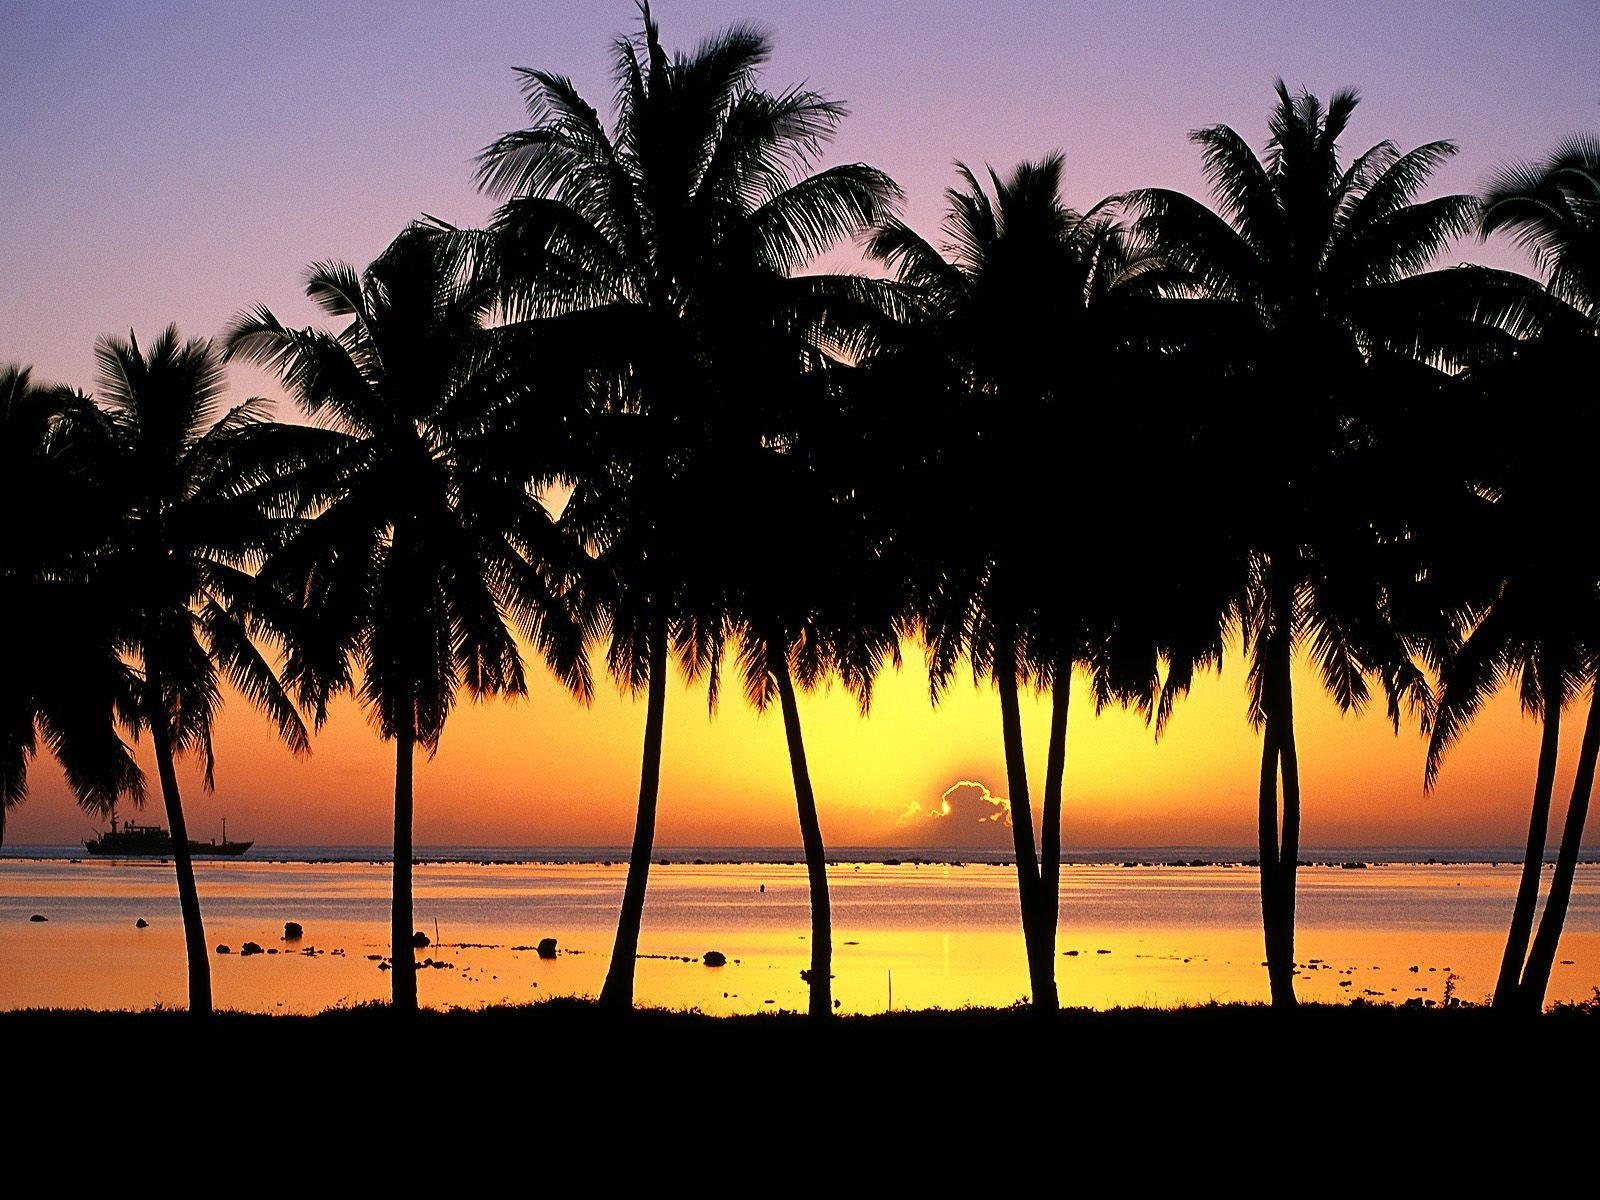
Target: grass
<point x="944" y="1095"/>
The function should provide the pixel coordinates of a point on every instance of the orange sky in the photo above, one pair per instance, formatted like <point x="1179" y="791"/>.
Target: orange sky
<point x="546" y="771"/>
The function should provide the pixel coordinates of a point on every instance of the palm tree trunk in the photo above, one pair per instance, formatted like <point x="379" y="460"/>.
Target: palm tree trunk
<point x="194" y="932"/>
<point x="821" y="975"/>
<point x="616" y="995"/>
<point x="403" y="956"/>
<point x="1511" y="962"/>
<point x="1279" y="851"/>
<point x="1289" y="851"/>
<point x="1055" y="769"/>
<point x="1267" y="848"/>
<point x="1541" y="960"/>
<point x="1041" y="964"/>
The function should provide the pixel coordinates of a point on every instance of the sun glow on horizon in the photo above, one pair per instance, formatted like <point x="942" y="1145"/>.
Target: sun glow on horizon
<point x="545" y="770"/>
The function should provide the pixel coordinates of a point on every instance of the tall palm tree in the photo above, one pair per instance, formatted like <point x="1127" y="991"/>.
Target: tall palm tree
<point x="813" y="594"/>
<point x="1318" y="266"/>
<point x="424" y="548"/>
<point x="667" y="249"/>
<point x="192" y="524"/>
<point x="64" y="676"/>
<point x="1544" y="622"/>
<point x="1532" y="624"/>
<point x="1034" y="306"/>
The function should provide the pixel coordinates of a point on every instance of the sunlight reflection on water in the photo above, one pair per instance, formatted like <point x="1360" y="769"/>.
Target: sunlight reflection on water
<point x="948" y="934"/>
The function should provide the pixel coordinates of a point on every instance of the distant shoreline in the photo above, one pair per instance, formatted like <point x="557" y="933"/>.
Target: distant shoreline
<point x="1332" y="857"/>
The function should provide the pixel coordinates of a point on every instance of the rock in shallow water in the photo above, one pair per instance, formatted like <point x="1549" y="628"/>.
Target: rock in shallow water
<point x="716" y="958"/>
<point x="420" y="939"/>
<point x="224" y="949"/>
<point x="141" y="923"/>
<point x="292" y="931"/>
<point x="546" y="948"/>
<point x="37" y="917"/>
<point x="249" y="948"/>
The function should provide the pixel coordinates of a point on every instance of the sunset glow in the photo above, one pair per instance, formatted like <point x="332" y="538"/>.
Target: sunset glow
<point x="814" y="509"/>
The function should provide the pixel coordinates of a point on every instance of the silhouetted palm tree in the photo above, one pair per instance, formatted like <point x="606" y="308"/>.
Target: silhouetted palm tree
<point x="1535" y="621"/>
<point x="1544" y="623"/>
<point x="1035" y="306"/>
<point x="192" y="523"/>
<point x="426" y="545"/>
<point x="1318" y="267"/>
<point x="64" y="677"/>
<point x="666" y="248"/>
<point x="812" y="595"/>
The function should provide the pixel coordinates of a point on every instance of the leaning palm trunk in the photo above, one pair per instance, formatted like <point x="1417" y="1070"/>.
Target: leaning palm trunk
<point x="402" y="955"/>
<point x="1280" y="851"/>
<point x="1055" y="769"/>
<point x="194" y="933"/>
<point x="617" y="993"/>
<point x="1536" y="975"/>
<point x="1039" y="947"/>
<point x="820" y="977"/>
<point x="1511" y="962"/>
<point x="188" y="893"/>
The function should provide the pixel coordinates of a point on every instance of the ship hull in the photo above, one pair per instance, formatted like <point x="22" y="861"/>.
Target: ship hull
<point x="116" y="847"/>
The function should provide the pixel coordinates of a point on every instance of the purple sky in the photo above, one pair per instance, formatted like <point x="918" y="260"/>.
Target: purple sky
<point x="176" y="162"/>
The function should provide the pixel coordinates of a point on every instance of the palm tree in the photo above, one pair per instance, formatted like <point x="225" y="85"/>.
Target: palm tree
<point x="1317" y="266"/>
<point x="1532" y="621"/>
<point x="1543" y="623"/>
<point x="424" y="548"/>
<point x="64" y="676"/>
<point x="813" y="595"/>
<point x="666" y="250"/>
<point x="1035" y="305"/>
<point x="192" y="523"/>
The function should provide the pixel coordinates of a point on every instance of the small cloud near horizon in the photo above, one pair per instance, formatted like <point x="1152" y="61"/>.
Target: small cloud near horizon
<point x="966" y="814"/>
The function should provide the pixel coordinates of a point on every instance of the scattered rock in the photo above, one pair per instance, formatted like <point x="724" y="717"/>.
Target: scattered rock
<point x="37" y="917"/>
<point x="546" y="948"/>
<point x="224" y="949"/>
<point x="420" y="940"/>
<point x="1070" y="953"/>
<point x="1102" y="952"/>
<point x="383" y="966"/>
<point x="374" y="958"/>
<point x="715" y="958"/>
<point x="292" y="931"/>
<point x="248" y="949"/>
<point x="141" y="923"/>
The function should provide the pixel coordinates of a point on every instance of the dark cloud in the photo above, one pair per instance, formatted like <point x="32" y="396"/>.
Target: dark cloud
<point x="967" y="813"/>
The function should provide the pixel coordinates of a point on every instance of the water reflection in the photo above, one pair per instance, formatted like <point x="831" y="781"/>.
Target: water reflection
<point x="946" y="935"/>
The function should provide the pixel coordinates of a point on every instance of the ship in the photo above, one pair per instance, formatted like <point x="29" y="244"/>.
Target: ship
<point x="128" y="840"/>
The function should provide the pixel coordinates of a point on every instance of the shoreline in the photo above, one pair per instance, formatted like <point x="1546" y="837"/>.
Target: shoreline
<point x="1316" y="858"/>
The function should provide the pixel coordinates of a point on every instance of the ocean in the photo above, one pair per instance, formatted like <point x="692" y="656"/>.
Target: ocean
<point x="912" y="928"/>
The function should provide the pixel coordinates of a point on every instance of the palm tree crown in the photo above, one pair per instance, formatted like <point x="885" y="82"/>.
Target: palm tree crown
<point x="64" y="676"/>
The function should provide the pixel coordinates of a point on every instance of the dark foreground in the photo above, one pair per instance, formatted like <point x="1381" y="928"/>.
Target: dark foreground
<point x="548" y="1080"/>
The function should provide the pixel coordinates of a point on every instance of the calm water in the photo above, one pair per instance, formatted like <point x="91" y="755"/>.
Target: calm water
<point x="937" y="934"/>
